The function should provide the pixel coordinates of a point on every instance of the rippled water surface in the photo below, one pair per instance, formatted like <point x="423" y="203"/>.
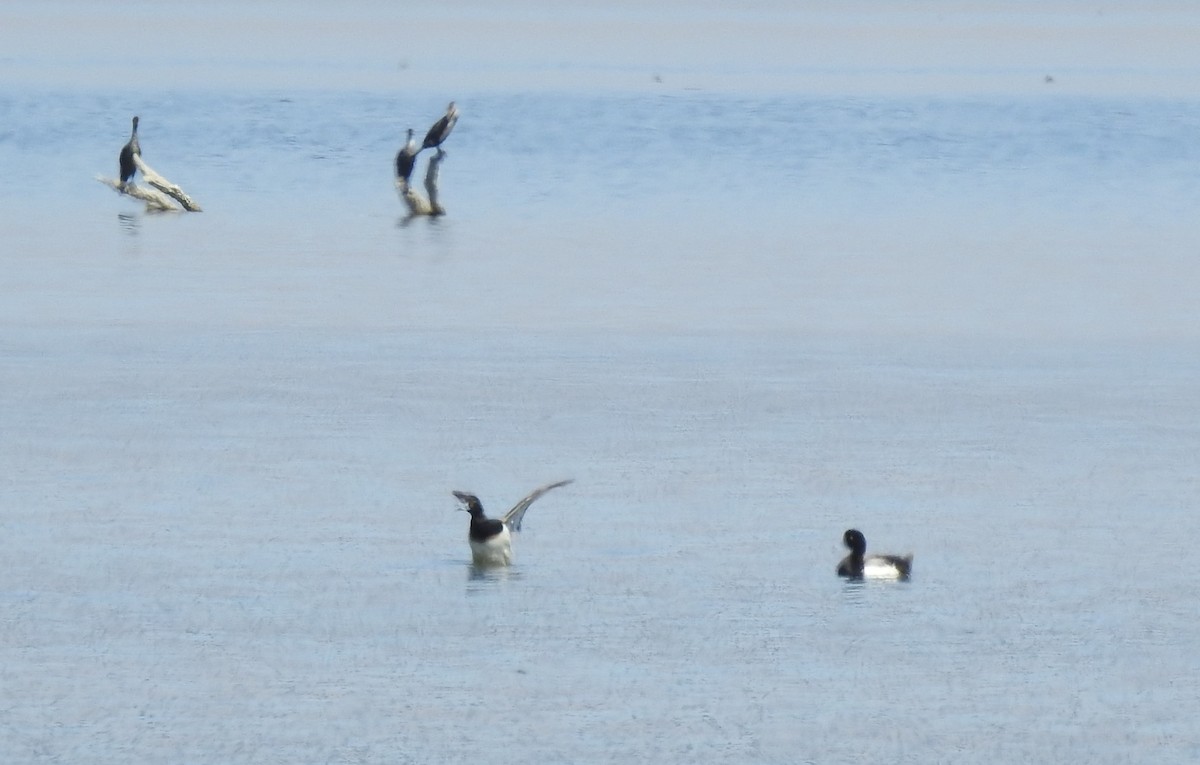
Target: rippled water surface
<point x="742" y="313"/>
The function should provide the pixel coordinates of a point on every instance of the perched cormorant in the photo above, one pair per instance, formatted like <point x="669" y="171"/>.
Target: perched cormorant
<point x="491" y="538"/>
<point x="441" y="129"/>
<point x="406" y="158"/>
<point x="128" y="168"/>
<point x="859" y="565"/>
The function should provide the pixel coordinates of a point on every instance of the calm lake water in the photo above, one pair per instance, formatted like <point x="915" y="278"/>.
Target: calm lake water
<point x="743" y="312"/>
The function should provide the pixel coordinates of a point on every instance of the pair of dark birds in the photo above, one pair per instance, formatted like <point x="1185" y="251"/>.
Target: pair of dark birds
<point x="491" y="540"/>
<point x="404" y="160"/>
<point x="407" y="157"/>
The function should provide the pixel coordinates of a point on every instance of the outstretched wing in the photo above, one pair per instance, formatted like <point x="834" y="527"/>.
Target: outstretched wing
<point x="513" y="517"/>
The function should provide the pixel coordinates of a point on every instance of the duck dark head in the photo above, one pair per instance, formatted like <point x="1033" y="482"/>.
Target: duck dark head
<point x="470" y="503"/>
<point x="854" y="539"/>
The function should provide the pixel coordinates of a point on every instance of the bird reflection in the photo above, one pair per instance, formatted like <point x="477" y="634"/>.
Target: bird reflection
<point x="130" y="224"/>
<point x="480" y="578"/>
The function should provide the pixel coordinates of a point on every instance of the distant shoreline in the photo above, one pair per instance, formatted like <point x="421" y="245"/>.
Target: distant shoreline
<point x="858" y="48"/>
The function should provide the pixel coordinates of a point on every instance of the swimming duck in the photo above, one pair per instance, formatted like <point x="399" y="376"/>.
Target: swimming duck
<point x="859" y="565"/>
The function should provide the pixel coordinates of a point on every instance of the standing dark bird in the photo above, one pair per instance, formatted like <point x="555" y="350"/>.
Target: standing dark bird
<point x="441" y="129"/>
<point x="491" y="538"/>
<point x="406" y="158"/>
<point x="859" y="565"/>
<point x="128" y="168"/>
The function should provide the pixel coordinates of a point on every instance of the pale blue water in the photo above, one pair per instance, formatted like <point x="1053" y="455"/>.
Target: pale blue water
<point x="743" y="321"/>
